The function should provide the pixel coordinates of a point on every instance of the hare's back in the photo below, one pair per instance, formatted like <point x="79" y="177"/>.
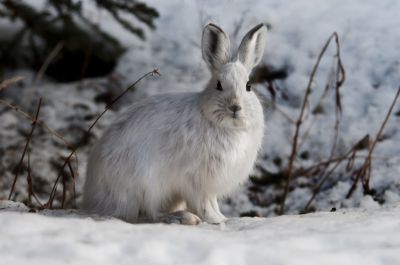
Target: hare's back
<point x="154" y="117"/>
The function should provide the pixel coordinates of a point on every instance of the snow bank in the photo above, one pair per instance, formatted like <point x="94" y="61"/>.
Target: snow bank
<point x="60" y="237"/>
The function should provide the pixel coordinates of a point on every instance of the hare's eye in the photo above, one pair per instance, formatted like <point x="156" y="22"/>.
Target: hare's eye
<point x="248" y="86"/>
<point x="219" y="87"/>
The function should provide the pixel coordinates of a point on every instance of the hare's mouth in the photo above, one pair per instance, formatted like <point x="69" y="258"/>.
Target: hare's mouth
<point x="237" y="120"/>
<point x="236" y="116"/>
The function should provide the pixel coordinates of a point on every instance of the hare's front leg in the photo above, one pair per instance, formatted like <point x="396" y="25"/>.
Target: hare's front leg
<point x="208" y="209"/>
<point x="213" y="214"/>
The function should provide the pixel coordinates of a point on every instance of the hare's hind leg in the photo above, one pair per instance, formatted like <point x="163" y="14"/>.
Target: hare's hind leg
<point x="176" y="213"/>
<point x="170" y="209"/>
<point x="180" y="217"/>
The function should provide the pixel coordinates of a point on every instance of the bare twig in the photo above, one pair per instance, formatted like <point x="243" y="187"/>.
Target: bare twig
<point x="326" y="163"/>
<point x="271" y="88"/>
<point x="238" y="25"/>
<point x="41" y="124"/>
<point x="301" y="116"/>
<point x="38" y="122"/>
<point x="73" y="184"/>
<point x="337" y="77"/>
<point x="365" y="171"/>
<point x="379" y="134"/>
<point x="64" y="190"/>
<point x="350" y="156"/>
<point x="49" y="203"/>
<point x="47" y="62"/>
<point x="29" y="180"/>
<point x="316" y="111"/>
<point x="25" y="149"/>
<point x="340" y="78"/>
<point x="284" y="114"/>
<point x="10" y="81"/>
<point x="152" y="73"/>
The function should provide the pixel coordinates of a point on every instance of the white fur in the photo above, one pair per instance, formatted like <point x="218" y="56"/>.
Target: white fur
<point x="175" y="149"/>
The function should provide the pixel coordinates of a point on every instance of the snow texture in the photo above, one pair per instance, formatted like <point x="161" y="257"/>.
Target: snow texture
<point x="62" y="237"/>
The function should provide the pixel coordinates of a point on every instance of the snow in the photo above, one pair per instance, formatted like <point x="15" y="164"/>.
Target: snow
<point x="345" y="237"/>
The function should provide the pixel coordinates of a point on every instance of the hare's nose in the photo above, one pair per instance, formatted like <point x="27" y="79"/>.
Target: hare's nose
<point x="235" y="108"/>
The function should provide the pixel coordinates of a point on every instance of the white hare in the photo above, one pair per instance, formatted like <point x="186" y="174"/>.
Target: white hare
<point x="170" y="157"/>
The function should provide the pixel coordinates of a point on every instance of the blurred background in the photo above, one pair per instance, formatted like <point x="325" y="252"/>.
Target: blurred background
<point x="79" y="55"/>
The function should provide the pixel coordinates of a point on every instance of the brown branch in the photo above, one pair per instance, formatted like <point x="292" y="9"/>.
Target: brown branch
<point x="25" y="149"/>
<point x="64" y="191"/>
<point x="29" y="180"/>
<point x="340" y="78"/>
<point x="73" y="184"/>
<point x="38" y="122"/>
<point x="350" y="156"/>
<point x="318" y="107"/>
<point x="284" y="114"/>
<point x="364" y="173"/>
<point x="300" y="121"/>
<point x="10" y="81"/>
<point x="379" y="134"/>
<point x="49" y="203"/>
<point x="353" y="187"/>
<point x="47" y="62"/>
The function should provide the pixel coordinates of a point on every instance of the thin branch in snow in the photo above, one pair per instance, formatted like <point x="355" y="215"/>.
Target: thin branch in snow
<point x="339" y="81"/>
<point x="10" y="81"/>
<point x="47" y="62"/>
<point x="18" y="169"/>
<point x="49" y="203"/>
<point x="73" y="184"/>
<point x="364" y="173"/>
<point x="38" y="122"/>
<point x="350" y="156"/>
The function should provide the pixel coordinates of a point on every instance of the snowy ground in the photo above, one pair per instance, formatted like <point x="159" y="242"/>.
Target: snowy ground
<point x="344" y="237"/>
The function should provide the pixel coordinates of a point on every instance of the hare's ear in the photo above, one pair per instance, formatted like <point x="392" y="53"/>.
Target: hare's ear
<point x="252" y="47"/>
<point x="215" y="46"/>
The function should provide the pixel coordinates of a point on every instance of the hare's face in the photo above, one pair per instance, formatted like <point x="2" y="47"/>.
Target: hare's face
<point x="229" y="101"/>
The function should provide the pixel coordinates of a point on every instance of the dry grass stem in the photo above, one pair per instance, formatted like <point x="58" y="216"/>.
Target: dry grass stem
<point x="339" y="81"/>
<point x="19" y="166"/>
<point x="47" y="62"/>
<point x="364" y="174"/>
<point x="10" y="81"/>
<point x="49" y="203"/>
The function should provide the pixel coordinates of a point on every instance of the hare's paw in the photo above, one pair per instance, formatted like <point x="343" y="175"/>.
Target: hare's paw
<point x="180" y="217"/>
<point x="209" y="211"/>
<point x="214" y="217"/>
